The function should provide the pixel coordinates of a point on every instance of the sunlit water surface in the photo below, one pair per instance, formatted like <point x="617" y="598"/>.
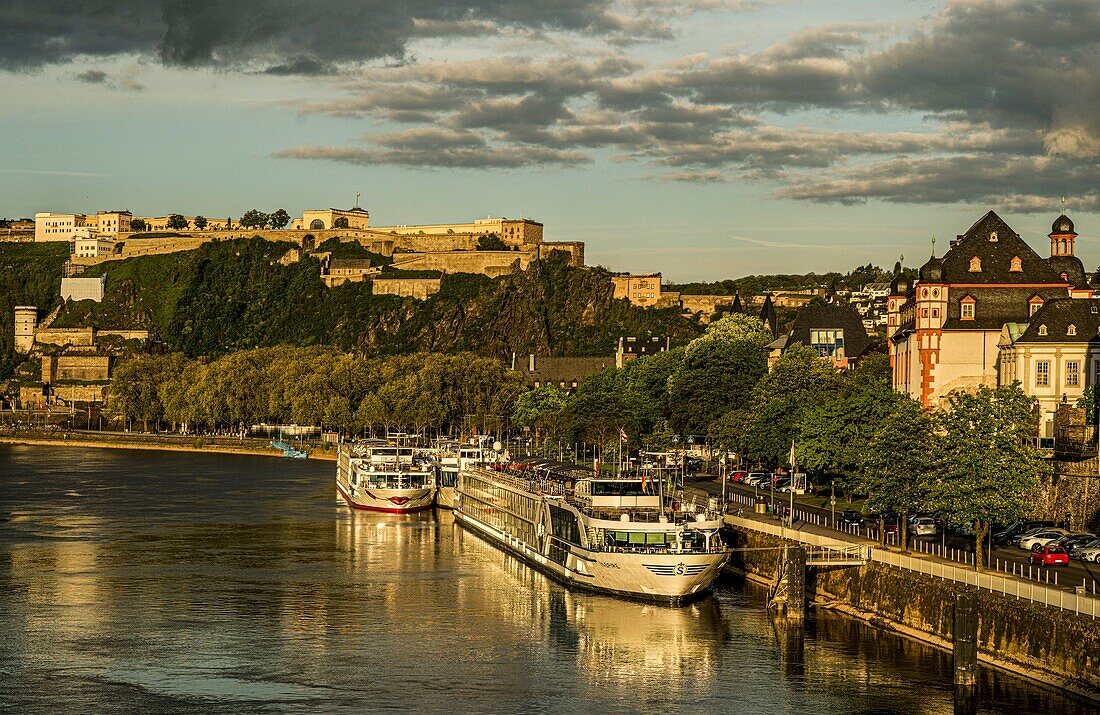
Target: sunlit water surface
<point x="165" y="582"/>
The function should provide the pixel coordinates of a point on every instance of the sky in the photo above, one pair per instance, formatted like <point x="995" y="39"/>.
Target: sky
<point x="705" y="139"/>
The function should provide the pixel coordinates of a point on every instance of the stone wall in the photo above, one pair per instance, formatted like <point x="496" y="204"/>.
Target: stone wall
<point x="490" y="263"/>
<point x="83" y="337"/>
<point x="75" y="368"/>
<point x="419" y="288"/>
<point x="705" y="304"/>
<point x="1024" y="635"/>
<point x="575" y="249"/>
<point x="32" y="396"/>
<point x="124" y="334"/>
<point x="1077" y="495"/>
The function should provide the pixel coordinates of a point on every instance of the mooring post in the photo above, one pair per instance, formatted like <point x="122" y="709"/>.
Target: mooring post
<point x="796" y="582"/>
<point x="966" y="638"/>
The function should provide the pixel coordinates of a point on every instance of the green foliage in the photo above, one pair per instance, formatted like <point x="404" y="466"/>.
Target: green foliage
<point x="138" y="224"/>
<point x="176" y="222"/>
<point x="717" y="375"/>
<point x="491" y="242"/>
<point x="1088" y="401"/>
<point x="30" y="274"/>
<point x="201" y="222"/>
<point x="898" y="462"/>
<point x="538" y="408"/>
<point x="352" y="249"/>
<point x="279" y="219"/>
<point x="758" y="284"/>
<point x="318" y="386"/>
<point x="340" y="222"/>
<point x="253" y="218"/>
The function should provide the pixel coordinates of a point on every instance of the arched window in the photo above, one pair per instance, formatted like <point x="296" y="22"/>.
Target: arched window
<point x="975" y="265"/>
<point x="992" y="236"/>
<point x="1017" y="265"/>
<point x="316" y="225"/>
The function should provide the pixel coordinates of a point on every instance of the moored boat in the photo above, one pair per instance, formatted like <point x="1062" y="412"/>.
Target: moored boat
<point x="453" y="457"/>
<point x="382" y="477"/>
<point x="612" y="535"/>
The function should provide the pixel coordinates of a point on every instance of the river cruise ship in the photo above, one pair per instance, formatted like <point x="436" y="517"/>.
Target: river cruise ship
<point x="616" y="536"/>
<point x="377" y="476"/>
<point x="453" y="457"/>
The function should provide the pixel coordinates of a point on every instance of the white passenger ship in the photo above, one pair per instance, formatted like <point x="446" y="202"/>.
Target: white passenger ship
<point x="454" y="457"/>
<point x="609" y="535"/>
<point x="382" y="477"/>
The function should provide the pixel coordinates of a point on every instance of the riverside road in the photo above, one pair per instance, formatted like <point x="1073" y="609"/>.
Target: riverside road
<point x="1068" y="577"/>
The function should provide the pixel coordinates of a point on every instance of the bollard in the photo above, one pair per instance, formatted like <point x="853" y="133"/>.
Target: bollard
<point x="966" y="638"/>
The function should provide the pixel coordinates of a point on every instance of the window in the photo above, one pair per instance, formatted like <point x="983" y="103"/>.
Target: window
<point x="935" y="312"/>
<point x="975" y="265"/>
<point x="1042" y="330"/>
<point x="1033" y="308"/>
<point x="992" y="236"/>
<point x="1017" y="265"/>
<point x="1073" y="374"/>
<point x="827" y="342"/>
<point x="1071" y="330"/>
<point x="966" y="310"/>
<point x="1042" y="373"/>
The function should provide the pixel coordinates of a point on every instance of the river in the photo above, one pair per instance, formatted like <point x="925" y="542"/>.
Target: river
<point x="135" y="581"/>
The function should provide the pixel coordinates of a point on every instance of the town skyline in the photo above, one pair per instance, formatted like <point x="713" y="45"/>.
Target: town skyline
<point x="706" y="141"/>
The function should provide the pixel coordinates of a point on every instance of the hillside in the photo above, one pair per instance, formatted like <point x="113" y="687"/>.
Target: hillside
<point x="30" y="274"/>
<point x="234" y="295"/>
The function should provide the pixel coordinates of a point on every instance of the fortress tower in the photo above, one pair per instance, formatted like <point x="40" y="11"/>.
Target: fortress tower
<point x="26" y="319"/>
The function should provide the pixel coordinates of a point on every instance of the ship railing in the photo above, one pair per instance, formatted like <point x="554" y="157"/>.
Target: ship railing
<point x="543" y="485"/>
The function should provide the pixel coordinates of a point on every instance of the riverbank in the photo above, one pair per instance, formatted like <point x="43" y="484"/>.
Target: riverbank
<point x="164" y="443"/>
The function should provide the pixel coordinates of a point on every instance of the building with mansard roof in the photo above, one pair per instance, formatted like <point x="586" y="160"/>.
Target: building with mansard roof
<point x="946" y="327"/>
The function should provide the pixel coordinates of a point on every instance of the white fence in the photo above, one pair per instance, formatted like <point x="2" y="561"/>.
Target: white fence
<point x="1077" y="601"/>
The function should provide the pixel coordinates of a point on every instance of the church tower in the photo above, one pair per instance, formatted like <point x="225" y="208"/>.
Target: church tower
<point x="1062" y="236"/>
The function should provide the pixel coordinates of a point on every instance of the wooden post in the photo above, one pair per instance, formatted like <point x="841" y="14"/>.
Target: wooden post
<point x="796" y="582"/>
<point x="966" y="638"/>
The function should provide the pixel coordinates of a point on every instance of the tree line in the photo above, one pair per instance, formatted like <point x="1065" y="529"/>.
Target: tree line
<point x="422" y="392"/>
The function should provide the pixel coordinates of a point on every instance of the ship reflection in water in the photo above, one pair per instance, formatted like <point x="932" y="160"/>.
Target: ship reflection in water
<point x="145" y="582"/>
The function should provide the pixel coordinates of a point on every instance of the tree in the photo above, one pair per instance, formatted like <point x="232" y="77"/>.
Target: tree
<point x="138" y="224"/>
<point x="341" y="222"/>
<point x="200" y="222"/>
<point x="491" y="242"/>
<point x="537" y="409"/>
<point x="899" y="461"/>
<point x="733" y="327"/>
<point x="987" y="467"/>
<point x="176" y="222"/>
<point x="716" y="376"/>
<point x="253" y="218"/>
<point x="281" y="218"/>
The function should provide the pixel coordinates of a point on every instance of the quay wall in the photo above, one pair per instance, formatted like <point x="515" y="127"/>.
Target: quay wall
<point x="1037" y="641"/>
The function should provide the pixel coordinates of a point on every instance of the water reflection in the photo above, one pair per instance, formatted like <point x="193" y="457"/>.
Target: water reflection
<point x="160" y="583"/>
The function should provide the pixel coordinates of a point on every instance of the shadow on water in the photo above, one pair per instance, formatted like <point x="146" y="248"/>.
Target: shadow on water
<point x="141" y="581"/>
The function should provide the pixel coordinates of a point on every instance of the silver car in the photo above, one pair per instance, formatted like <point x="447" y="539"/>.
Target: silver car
<point x="1088" y="552"/>
<point x="924" y="526"/>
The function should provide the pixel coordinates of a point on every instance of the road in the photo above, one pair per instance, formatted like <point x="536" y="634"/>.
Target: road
<point x="952" y="546"/>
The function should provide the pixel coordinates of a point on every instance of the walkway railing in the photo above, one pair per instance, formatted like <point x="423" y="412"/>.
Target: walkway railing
<point x="1078" y="601"/>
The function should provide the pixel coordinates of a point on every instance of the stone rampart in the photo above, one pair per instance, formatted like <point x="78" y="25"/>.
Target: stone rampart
<point x="84" y="337"/>
<point x="419" y="288"/>
<point x="124" y="334"/>
<point x="489" y="263"/>
<point x="705" y="304"/>
<point x="575" y="249"/>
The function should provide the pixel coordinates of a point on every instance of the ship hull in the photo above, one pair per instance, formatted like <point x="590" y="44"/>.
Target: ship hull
<point x="446" y="498"/>
<point x="390" y="501"/>
<point x="670" y="578"/>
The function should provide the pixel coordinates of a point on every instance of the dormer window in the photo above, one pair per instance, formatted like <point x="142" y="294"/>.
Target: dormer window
<point x="1042" y="330"/>
<point x="1071" y="330"/>
<point x="1033" y="305"/>
<point x="975" y="265"/>
<point x="967" y="311"/>
<point x="1017" y="265"/>
<point x="1065" y="276"/>
<point x="992" y="236"/>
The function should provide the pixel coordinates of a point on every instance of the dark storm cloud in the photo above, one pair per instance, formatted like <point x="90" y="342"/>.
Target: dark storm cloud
<point x="263" y="34"/>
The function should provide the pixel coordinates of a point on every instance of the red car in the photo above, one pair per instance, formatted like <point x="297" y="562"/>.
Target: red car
<point x="1050" y="556"/>
<point x="738" y="476"/>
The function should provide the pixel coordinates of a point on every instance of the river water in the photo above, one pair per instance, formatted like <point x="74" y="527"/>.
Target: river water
<point x="166" y="582"/>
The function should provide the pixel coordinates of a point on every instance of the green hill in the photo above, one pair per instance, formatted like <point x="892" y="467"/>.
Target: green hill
<point x="234" y="295"/>
<point x="30" y="274"/>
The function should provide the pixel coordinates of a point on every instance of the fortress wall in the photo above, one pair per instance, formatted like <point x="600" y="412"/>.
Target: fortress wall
<point x="419" y="288"/>
<point x="705" y="304"/>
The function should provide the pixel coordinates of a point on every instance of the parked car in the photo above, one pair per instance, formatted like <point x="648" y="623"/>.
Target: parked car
<point x="737" y="477"/>
<point x="924" y="526"/>
<point x="1023" y="535"/>
<point x="1006" y="536"/>
<point x="1050" y="556"/>
<point x="1069" y="542"/>
<point x="851" y="517"/>
<point x="756" y="479"/>
<point x="1088" y="552"/>
<point x="1041" y="538"/>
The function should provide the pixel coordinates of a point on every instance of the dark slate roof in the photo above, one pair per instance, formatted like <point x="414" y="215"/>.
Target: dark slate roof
<point x="901" y="285"/>
<point x="816" y="316"/>
<point x="1072" y="267"/>
<point x="993" y="307"/>
<point x="556" y="370"/>
<point x="769" y="316"/>
<point x="996" y="257"/>
<point x="1062" y="224"/>
<point x="1058" y="315"/>
<point x="737" y="307"/>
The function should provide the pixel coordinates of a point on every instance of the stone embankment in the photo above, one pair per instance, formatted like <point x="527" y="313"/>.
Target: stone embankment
<point x="1037" y="641"/>
<point x="167" y="443"/>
